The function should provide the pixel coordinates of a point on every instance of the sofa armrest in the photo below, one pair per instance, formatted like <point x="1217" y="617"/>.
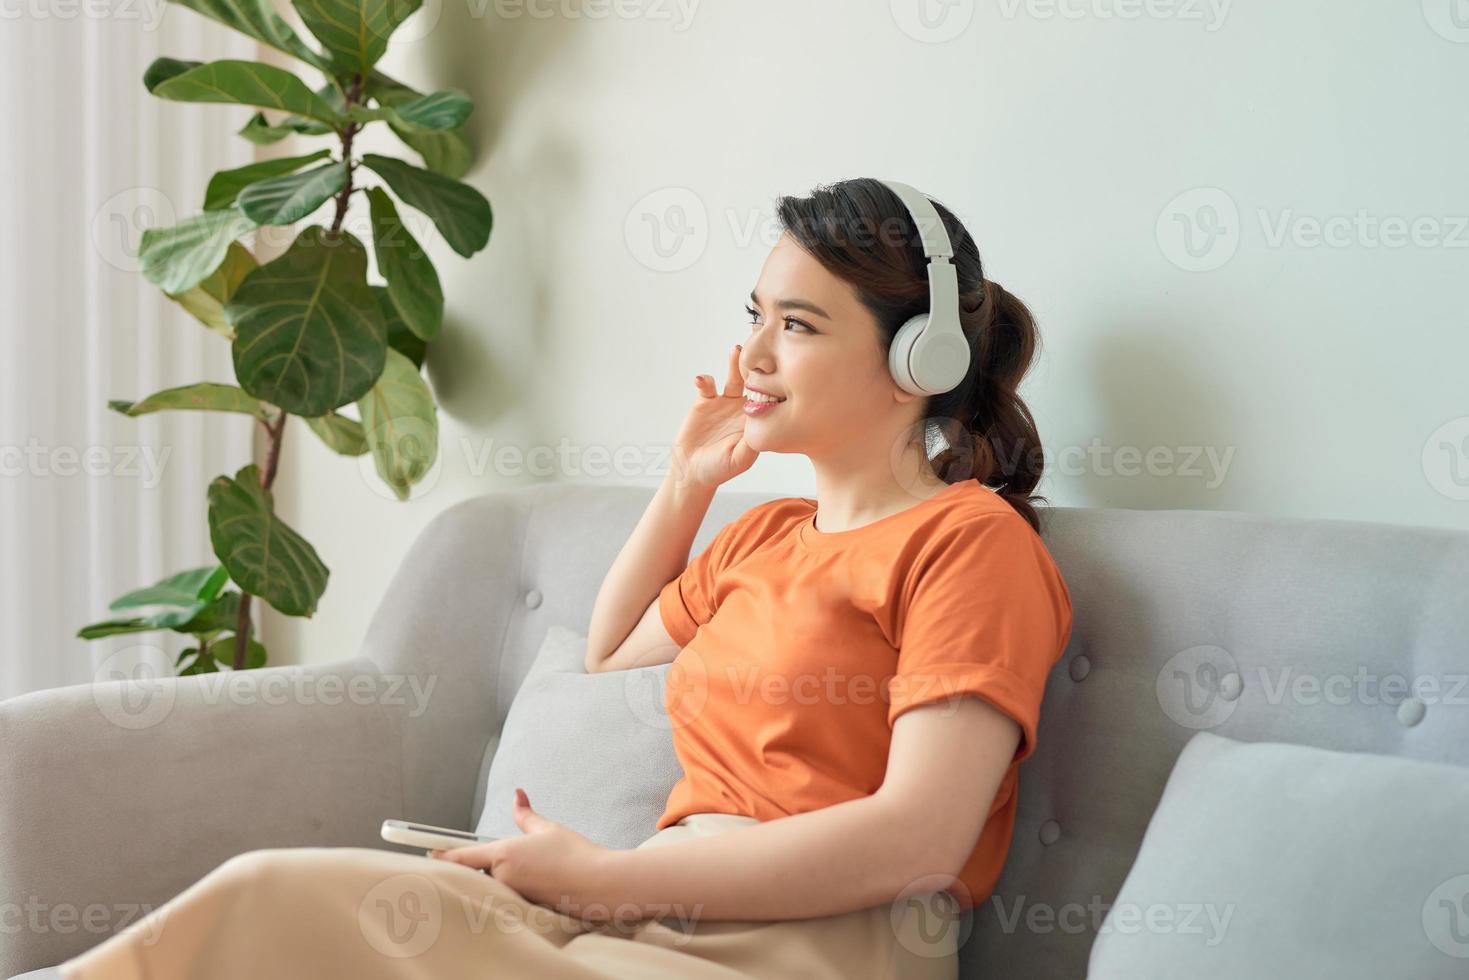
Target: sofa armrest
<point x="116" y="795"/>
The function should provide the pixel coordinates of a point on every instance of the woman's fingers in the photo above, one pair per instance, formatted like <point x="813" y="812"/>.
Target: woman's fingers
<point x="734" y="385"/>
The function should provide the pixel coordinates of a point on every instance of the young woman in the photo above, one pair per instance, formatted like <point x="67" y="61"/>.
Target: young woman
<point x="856" y="679"/>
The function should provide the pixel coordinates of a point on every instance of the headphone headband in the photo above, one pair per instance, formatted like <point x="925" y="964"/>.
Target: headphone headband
<point x="930" y="226"/>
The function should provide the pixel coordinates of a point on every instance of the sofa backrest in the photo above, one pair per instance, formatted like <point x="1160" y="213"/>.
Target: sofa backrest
<point x="1345" y="635"/>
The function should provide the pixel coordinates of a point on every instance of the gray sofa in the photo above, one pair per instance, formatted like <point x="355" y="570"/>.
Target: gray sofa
<point x="108" y="805"/>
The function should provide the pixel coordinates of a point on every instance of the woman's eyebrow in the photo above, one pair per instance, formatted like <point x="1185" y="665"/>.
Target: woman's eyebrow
<point x="793" y="304"/>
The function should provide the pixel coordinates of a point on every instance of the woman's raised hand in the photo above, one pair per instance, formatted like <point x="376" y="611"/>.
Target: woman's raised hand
<point x="710" y="447"/>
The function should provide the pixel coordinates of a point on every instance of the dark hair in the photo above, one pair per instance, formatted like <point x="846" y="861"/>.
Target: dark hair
<point x="861" y="232"/>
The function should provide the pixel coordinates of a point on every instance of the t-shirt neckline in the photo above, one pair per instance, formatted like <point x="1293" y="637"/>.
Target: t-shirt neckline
<point x="812" y="539"/>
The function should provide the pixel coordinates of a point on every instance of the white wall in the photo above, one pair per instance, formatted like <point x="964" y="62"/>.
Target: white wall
<point x="1075" y="145"/>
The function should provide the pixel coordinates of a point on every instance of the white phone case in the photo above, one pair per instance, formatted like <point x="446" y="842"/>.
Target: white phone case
<point x="427" y="837"/>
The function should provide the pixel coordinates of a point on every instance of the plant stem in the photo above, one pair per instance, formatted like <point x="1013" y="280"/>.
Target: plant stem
<point x="272" y="458"/>
<point x="354" y="94"/>
<point x="274" y="432"/>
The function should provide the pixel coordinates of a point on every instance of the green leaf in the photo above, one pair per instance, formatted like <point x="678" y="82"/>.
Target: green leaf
<point x="206" y="300"/>
<point x="210" y="589"/>
<point x="203" y="663"/>
<point x="413" y="284"/>
<point x="264" y="556"/>
<point x="225" y="185"/>
<point x="354" y="31"/>
<point x="287" y="199"/>
<point x="162" y="69"/>
<point x="308" y="336"/>
<point x="461" y="213"/>
<point x="400" y="338"/>
<point x="167" y="619"/>
<point x="181" y="589"/>
<point x="193" y="594"/>
<point x="341" y="434"/>
<point x="401" y="425"/>
<point x="258" y="19"/>
<point x="254" y="652"/>
<point x="433" y="112"/>
<point x="176" y="259"/>
<point x="261" y="132"/>
<point x="447" y="153"/>
<point x="117" y="627"/>
<point x="238" y="82"/>
<point x="221" y="613"/>
<point x="207" y="396"/>
<point x="222" y="650"/>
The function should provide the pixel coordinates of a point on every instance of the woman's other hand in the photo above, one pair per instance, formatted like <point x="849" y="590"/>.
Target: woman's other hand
<point x="710" y="448"/>
<point x="549" y="864"/>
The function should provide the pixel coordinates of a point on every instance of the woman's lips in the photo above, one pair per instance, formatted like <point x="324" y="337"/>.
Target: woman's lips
<point x="753" y="408"/>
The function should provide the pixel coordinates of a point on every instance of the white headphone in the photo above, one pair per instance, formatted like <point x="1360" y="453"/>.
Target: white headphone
<point x="929" y="355"/>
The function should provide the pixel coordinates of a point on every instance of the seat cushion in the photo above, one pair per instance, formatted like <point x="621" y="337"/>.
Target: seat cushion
<point x="1281" y="860"/>
<point x="591" y="751"/>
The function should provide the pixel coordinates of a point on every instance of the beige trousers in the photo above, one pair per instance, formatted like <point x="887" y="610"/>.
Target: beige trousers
<point x="324" y="912"/>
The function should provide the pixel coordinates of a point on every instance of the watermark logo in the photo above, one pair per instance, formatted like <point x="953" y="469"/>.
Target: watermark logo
<point x="41" y="461"/>
<point x="1448" y="18"/>
<point x="408" y="442"/>
<point x="146" y="697"/>
<point x="932" y="21"/>
<point x="130" y="690"/>
<point x="644" y="691"/>
<point x="667" y="230"/>
<point x="1446" y="458"/>
<point x="1446" y="917"/>
<point x="118" y="225"/>
<point x="679" y="13"/>
<point x="1204" y="919"/>
<point x="1199" y="687"/>
<point x="926" y="918"/>
<point x="418" y="25"/>
<point x="37" y="917"/>
<point x="401" y="916"/>
<point x="686" y="691"/>
<point x="1199" y="230"/>
<point x="149" y="12"/>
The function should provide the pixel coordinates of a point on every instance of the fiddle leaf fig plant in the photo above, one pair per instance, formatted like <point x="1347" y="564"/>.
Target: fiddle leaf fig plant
<point x="310" y="333"/>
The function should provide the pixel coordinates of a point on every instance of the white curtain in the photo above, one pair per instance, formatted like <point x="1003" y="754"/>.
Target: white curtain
<point x="93" y="503"/>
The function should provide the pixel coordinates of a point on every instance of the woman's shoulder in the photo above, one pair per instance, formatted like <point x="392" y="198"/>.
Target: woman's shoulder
<point x="770" y="515"/>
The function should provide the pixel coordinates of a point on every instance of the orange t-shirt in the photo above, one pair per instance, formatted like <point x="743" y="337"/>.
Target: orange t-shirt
<point x="801" y="648"/>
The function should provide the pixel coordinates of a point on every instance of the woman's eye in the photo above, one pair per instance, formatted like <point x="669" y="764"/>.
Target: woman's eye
<point x="790" y="319"/>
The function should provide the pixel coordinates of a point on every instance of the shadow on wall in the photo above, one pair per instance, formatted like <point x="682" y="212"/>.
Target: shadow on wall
<point x="1179" y="452"/>
<point x="494" y="59"/>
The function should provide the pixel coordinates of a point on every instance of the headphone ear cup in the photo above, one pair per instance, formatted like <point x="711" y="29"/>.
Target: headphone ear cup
<point x="901" y="349"/>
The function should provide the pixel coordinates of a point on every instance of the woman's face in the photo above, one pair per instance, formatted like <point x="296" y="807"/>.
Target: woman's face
<point x="814" y="344"/>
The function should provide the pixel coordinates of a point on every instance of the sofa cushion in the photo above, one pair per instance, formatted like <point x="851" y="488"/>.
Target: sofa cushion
<point x="592" y="751"/>
<point x="1274" y="859"/>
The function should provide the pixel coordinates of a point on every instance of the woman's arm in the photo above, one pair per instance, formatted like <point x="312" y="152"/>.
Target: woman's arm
<point x="945" y="765"/>
<point x="653" y="556"/>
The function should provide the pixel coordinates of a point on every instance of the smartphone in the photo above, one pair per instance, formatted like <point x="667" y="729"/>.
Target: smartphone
<point x="425" y="836"/>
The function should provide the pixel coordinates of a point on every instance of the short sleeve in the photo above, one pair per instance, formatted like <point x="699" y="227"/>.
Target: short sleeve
<point x="986" y="613"/>
<point x="688" y="601"/>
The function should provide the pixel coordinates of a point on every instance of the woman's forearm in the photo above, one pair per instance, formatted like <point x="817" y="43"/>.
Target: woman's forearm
<point x="853" y="855"/>
<point x="655" y="554"/>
